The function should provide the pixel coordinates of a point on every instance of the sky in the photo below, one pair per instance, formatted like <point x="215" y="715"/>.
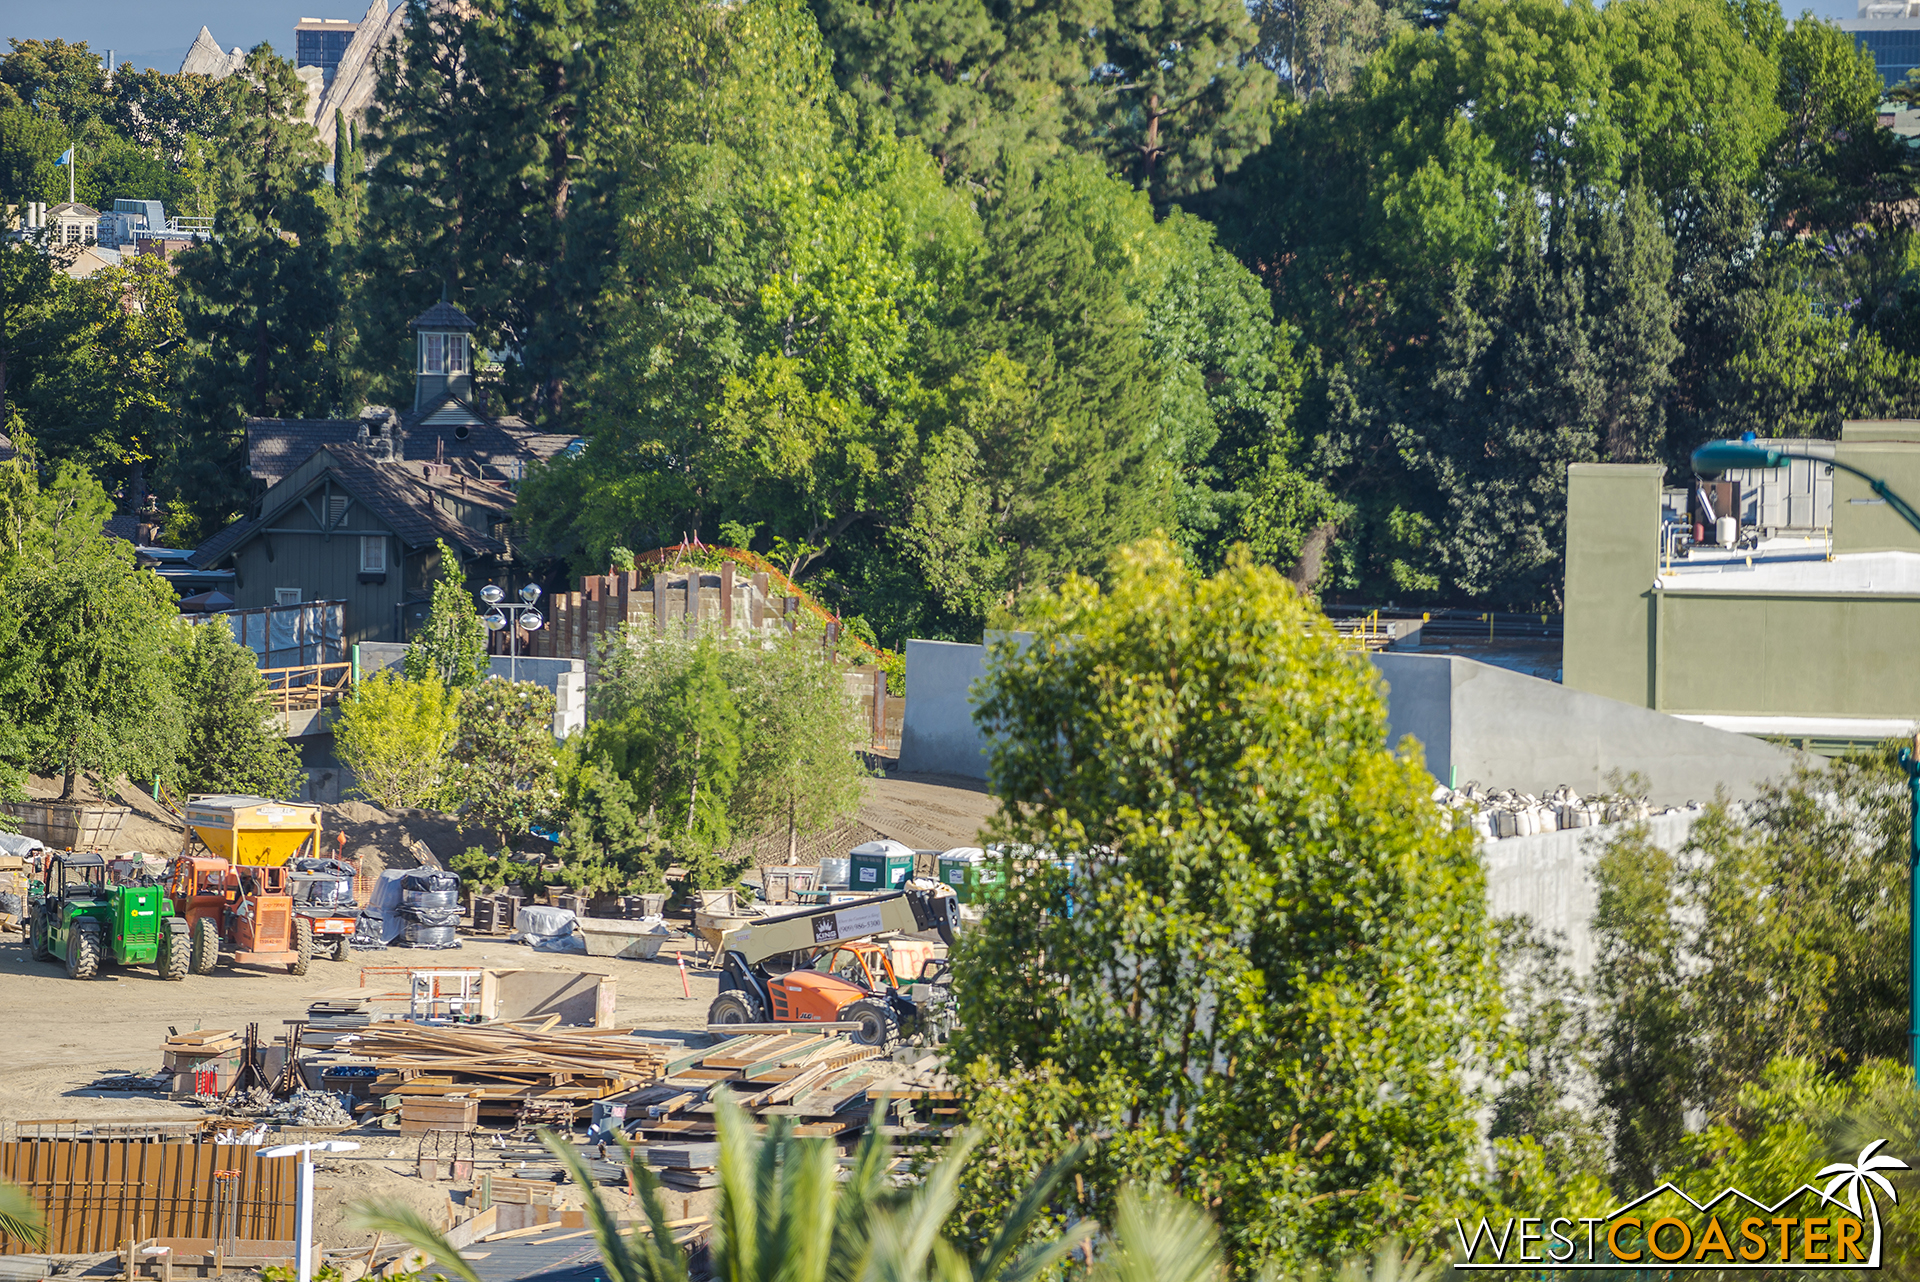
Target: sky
<point x="157" y="35"/>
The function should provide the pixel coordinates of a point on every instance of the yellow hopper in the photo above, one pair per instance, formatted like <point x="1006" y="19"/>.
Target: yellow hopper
<point x="255" y="831"/>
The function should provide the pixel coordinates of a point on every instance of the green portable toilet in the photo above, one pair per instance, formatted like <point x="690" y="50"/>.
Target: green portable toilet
<point x="879" y="866"/>
<point x="973" y="874"/>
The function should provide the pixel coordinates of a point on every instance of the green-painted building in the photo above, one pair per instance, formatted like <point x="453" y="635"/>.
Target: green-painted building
<point x="1808" y="636"/>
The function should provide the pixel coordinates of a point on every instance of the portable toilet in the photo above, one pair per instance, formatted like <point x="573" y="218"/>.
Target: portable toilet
<point x="877" y="866"/>
<point x="974" y="876"/>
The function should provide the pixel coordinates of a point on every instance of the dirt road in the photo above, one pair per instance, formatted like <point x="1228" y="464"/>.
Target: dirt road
<point x="63" y="1033"/>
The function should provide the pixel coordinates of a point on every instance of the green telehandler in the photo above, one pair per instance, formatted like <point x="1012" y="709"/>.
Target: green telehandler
<point x="82" y="919"/>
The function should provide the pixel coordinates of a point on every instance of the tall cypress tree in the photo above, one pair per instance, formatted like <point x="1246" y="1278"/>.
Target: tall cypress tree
<point x="1047" y="461"/>
<point x="261" y="296"/>
<point x="489" y="130"/>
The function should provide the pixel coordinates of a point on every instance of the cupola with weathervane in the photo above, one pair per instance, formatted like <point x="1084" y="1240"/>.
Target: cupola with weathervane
<point x="443" y="358"/>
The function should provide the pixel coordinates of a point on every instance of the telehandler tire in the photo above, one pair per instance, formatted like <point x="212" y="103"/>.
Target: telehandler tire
<point x="302" y="946"/>
<point x="83" y="954"/>
<point x="206" y="946"/>
<point x="35" y="935"/>
<point x="735" y="1007"/>
<point x="878" y="1027"/>
<point x="176" y="951"/>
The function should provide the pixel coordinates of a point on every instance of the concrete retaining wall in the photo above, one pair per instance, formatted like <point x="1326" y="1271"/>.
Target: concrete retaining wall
<point x="1549" y="877"/>
<point x="1476" y="722"/>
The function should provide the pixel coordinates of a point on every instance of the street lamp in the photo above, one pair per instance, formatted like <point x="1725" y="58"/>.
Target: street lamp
<point x="303" y="1195"/>
<point x="1720" y="456"/>
<point x="524" y="616"/>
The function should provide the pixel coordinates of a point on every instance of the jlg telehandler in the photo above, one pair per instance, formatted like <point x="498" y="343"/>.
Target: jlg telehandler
<point x="837" y="975"/>
<point x="235" y="897"/>
<point x="83" y="920"/>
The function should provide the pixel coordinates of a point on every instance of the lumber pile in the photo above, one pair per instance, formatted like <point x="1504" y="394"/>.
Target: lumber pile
<point x="922" y="1104"/>
<point x="519" y="1074"/>
<point x="818" y="1080"/>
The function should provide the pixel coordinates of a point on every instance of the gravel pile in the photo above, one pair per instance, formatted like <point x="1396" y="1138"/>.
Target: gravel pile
<point x="302" y="1108"/>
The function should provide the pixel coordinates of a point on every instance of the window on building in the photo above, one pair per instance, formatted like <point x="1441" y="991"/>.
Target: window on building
<point x="336" y="509"/>
<point x="456" y="353"/>
<point x="373" y="554"/>
<point x="286" y="596"/>
<point x="433" y="353"/>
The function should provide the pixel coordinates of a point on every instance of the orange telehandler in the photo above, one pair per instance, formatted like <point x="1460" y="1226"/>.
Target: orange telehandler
<point x="839" y="974"/>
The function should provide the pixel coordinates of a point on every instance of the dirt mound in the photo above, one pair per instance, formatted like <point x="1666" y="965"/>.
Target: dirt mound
<point x="379" y="839"/>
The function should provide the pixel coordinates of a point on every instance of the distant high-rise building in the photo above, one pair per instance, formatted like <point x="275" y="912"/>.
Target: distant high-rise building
<point x="320" y="42"/>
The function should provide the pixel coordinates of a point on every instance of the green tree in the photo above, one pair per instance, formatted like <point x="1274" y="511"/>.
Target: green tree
<point x="1176" y="100"/>
<point x="799" y="733"/>
<point x="84" y="664"/>
<point x="610" y="843"/>
<point x="666" y="718"/>
<point x="394" y="734"/>
<point x="260" y="297"/>
<point x="58" y="79"/>
<point x="1044" y="461"/>
<point x="112" y="397"/>
<point x="975" y="83"/>
<point x="1263" y="903"/>
<point x="233" y="742"/>
<point x="451" y="647"/>
<point x="1770" y="936"/>
<point x="490" y="126"/>
<point x="783" y="1213"/>
<point x="19" y="1217"/>
<point x="502" y="760"/>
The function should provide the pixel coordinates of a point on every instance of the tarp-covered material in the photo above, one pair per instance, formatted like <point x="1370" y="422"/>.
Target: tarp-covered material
<point x="548" y="929"/>
<point x="19" y="844"/>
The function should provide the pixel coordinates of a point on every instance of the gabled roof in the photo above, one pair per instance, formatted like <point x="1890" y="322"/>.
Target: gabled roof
<point x="495" y="449"/>
<point x="442" y="315"/>
<point x="402" y="495"/>
<point x="74" y="208"/>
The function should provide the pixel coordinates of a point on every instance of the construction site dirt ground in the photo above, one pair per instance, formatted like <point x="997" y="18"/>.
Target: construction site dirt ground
<point x="67" y="1033"/>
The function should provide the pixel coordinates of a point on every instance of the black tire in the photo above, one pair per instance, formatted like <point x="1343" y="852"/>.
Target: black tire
<point x="176" y="950"/>
<point x="736" y="1007"/>
<point x="878" y="1027"/>
<point x="36" y="936"/>
<point x="83" y="953"/>
<point x="302" y="945"/>
<point x="206" y="946"/>
<point x="342" y="947"/>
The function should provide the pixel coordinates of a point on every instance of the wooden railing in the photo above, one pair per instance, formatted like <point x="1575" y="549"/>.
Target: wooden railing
<point x="309" y="686"/>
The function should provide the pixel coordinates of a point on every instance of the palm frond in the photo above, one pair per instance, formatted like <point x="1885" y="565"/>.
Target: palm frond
<point x="1019" y="1224"/>
<point x="412" y="1228"/>
<point x="19" y="1217"/>
<point x="1160" y="1237"/>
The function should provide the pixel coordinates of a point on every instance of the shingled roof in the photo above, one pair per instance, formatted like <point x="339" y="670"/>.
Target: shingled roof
<point x="401" y="494"/>
<point x="442" y="315"/>
<point x="494" y="449"/>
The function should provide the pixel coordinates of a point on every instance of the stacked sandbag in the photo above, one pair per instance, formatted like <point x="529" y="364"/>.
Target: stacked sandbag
<point x="1491" y="816"/>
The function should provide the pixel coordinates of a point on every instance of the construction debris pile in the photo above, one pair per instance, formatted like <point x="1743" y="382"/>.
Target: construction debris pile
<point x="1510" y="813"/>
<point x="302" y="1108"/>
<point x="518" y="1074"/>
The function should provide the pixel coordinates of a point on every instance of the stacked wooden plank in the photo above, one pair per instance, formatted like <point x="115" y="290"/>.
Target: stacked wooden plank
<point x="513" y="1073"/>
<point x="921" y="1104"/>
<point x="820" y="1081"/>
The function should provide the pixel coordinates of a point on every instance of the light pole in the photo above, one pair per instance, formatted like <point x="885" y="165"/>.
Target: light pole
<point x="524" y="615"/>
<point x="1720" y="456"/>
<point x="303" y="1196"/>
